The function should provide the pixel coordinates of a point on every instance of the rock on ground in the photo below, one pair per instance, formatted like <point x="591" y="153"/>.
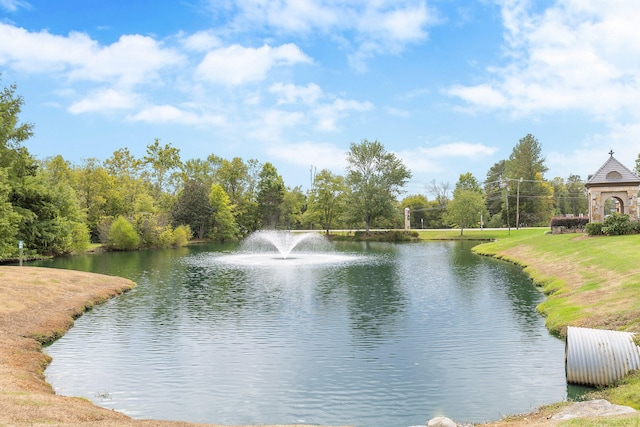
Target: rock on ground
<point x="591" y="408"/>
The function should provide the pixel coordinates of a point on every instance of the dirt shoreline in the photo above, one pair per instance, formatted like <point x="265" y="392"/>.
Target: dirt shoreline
<point x="38" y="305"/>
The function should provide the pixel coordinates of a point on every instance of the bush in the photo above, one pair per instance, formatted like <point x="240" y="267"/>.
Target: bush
<point x="616" y="224"/>
<point x="571" y="222"/>
<point x="79" y="237"/>
<point x="594" y="229"/>
<point x="181" y="235"/>
<point x="165" y="239"/>
<point x="122" y="235"/>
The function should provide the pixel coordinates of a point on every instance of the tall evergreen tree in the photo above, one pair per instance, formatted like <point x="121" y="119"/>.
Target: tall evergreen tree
<point x="524" y="176"/>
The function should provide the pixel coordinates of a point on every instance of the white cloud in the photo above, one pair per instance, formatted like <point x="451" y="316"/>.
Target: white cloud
<point x="320" y="155"/>
<point x="132" y="59"/>
<point x="237" y="65"/>
<point x="587" y="158"/>
<point x="14" y="5"/>
<point x="292" y="94"/>
<point x="103" y="100"/>
<point x="41" y="52"/>
<point x="327" y="115"/>
<point x="271" y="123"/>
<point x="581" y="55"/>
<point x="172" y="114"/>
<point x="430" y="159"/>
<point x="376" y="27"/>
<point x="202" y="41"/>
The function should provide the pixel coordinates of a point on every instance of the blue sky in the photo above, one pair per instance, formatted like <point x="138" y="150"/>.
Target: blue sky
<point x="448" y="86"/>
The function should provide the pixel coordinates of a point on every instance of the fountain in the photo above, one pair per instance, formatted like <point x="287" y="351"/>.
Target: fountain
<point x="275" y="247"/>
<point x="283" y="241"/>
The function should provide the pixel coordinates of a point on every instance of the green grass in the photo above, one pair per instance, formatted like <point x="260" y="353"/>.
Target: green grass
<point x="603" y="292"/>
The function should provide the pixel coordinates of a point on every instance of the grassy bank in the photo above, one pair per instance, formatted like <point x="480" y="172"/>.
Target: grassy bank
<point x="589" y="282"/>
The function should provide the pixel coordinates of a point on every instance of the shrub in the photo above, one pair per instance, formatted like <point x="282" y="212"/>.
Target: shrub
<point x="594" y="229"/>
<point x="165" y="239"/>
<point x="122" y="235"/>
<point x="181" y="235"/>
<point x="616" y="224"/>
<point x="79" y="237"/>
<point x="571" y="222"/>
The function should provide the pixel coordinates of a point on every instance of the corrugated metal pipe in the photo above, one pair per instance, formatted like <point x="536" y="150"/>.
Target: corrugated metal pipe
<point x="599" y="357"/>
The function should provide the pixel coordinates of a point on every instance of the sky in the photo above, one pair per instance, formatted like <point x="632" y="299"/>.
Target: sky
<point x="447" y="86"/>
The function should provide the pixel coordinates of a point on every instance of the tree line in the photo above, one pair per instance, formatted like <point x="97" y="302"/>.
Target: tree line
<point x="159" y="200"/>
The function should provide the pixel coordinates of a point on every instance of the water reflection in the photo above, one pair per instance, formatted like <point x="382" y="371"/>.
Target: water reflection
<point x="409" y="332"/>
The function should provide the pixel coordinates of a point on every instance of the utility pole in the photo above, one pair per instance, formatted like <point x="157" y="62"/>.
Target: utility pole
<point x="518" y="205"/>
<point x="505" y="185"/>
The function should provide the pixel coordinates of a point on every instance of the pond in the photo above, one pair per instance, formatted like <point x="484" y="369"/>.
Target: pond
<point x="392" y="335"/>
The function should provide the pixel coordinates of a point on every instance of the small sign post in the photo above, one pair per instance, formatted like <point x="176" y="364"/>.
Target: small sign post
<point x="20" y="246"/>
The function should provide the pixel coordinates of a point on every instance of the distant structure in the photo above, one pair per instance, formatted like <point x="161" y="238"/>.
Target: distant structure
<point x="613" y="181"/>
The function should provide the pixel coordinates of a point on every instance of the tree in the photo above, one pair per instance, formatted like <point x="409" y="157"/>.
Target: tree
<point x="164" y="163"/>
<point x="9" y="219"/>
<point x="270" y="195"/>
<point x="375" y="178"/>
<point x="577" y="195"/>
<point x="126" y="172"/>
<point x="193" y="208"/>
<point x="122" y="235"/>
<point x="97" y="194"/>
<point x="468" y="182"/>
<point x="294" y="205"/>
<point x="468" y="203"/>
<point x="418" y="206"/>
<point x="493" y="188"/>
<point x="465" y="208"/>
<point x="12" y="133"/>
<point x="326" y="199"/>
<point x="535" y="198"/>
<point x="224" y="224"/>
<point x="203" y="171"/>
<point x="440" y="192"/>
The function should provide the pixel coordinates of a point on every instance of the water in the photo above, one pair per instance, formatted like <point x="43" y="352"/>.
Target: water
<point x="393" y="335"/>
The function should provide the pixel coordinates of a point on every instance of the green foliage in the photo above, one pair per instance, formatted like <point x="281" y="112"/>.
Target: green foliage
<point x="79" y="237"/>
<point x="375" y="178"/>
<point x="533" y="194"/>
<point x="468" y="204"/>
<point x="383" y="236"/>
<point x="418" y="206"/>
<point x="468" y="182"/>
<point x="193" y="208"/>
<point x="326" y="199"/>
<point x="122" y="235"/>
<point x="616" y="224"/>
<point x="594" y="229"/>
<point x="162" y="164"/>
<point x="271" y="190"/>
<point x="181" y="236"/>
<point x="9" y="220"/>
<point x="224" y="224"/>
<point x="570" y="222"/>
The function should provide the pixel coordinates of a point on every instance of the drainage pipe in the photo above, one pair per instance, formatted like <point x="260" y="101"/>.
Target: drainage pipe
<point x="599" y="357"/>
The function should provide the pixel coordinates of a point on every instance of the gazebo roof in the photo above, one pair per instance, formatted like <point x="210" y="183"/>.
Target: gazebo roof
<point x="613" y="173"/>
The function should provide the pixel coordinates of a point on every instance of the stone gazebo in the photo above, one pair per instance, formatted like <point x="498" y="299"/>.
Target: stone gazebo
<point x="613" y="181"/>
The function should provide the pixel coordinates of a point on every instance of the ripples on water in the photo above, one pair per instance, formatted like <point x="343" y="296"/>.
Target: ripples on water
<point x="392" y="336"/>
